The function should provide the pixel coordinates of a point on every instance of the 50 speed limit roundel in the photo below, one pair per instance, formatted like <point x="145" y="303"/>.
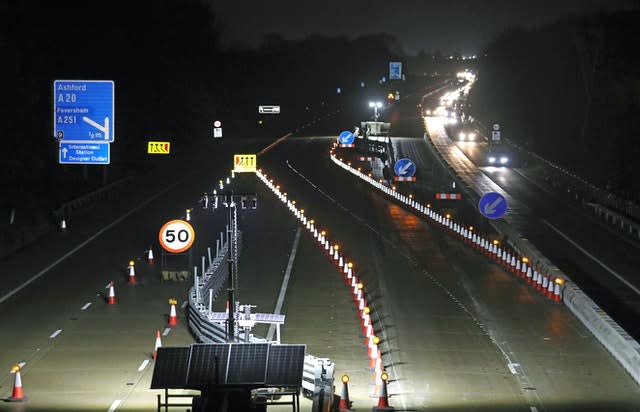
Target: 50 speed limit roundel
<point x="176" y="236"/>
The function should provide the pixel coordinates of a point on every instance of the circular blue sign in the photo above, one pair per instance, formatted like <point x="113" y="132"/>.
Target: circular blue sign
<point x="492" y="205"/>
<point x="346" y="137"/>
<point x="404" y="168"/>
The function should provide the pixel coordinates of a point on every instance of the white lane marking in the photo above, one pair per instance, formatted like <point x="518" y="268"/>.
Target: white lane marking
<point x="143" y="365"/>
<point x="512" y="368"/>
<point x="184" y="304"/>
<point x="533" y="409"/>
<point x="56" y="333"/>
<point x="595" y="259"/>
<point x="115" y="405"/>
<point x="83" y="244"/>
<point x="166" y="331"/>
<point x="86" y="306"/>
<point x="285" y="283"/>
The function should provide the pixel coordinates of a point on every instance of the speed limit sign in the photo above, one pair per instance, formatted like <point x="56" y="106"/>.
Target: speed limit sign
<point x="176" y="236"/>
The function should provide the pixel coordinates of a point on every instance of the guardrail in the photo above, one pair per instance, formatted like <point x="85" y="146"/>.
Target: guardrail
<point x="66" y="208"/>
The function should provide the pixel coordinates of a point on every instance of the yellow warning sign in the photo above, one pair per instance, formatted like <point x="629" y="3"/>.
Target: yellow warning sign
<point x="244" y="163"/>
<point x="158" y="147"/>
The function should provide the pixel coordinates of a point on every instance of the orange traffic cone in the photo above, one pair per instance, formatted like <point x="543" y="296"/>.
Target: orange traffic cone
<point x="345" y="403"/>
<point x="132" y="273"/>
<point x="173" y="318"/>
<point x="157" y="345"/>
<point x="383" y="398"/>
<point x="17" y="394"/>
<point x="111" y="299"/>
<point x="150" y="256"/>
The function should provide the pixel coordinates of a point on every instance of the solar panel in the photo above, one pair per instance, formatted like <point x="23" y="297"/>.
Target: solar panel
<point x="170" y="370"/>
<point x="285" y="365"/>
<point x="247" y="363"/>
<point x="207" y="361"/>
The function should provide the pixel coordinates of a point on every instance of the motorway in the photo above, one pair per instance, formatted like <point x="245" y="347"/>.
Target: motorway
<point x="459" y="333"/>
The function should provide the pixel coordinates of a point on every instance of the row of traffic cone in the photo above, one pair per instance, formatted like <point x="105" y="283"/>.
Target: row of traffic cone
<point x="509" y="259"/>
<point x="333" y="253"/>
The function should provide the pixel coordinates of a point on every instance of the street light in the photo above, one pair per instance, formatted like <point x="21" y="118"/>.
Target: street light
<point x="375" y="106"/>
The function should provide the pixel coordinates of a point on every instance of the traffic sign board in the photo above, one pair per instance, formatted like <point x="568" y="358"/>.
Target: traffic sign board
<point x="84" y="110"/>
<point x="346" y="137"/>
<point x="269" y="109"/>
<point x="158" y="147"/>
<point x="404" y="168"/>
<point x="493" y="205"/>
<point x="217" y="132"/>
<point x="176" y="236"/>
<point x="495" y="135"/>
<point x="217" y="123"/>
<point x="84" y="153"/>
<point x="496" y="126"/>
<point x="244" y="163"/>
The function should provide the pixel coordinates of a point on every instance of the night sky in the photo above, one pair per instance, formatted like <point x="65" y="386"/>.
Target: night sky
<point x="446" y="25"/>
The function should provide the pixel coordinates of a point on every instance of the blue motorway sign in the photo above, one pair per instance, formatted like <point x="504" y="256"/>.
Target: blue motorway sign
<point x="493" y="205"/>
<point x="405" y="168"/>
<point x="84" y="153"/>
<point x="83" y="110"/>
<point x="346" y="137"/>
<point x="395" y="71"/>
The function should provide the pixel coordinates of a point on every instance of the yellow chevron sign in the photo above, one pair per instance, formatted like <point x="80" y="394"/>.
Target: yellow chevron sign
<point x="158" y="147"/>
<point x="244" y="163"/>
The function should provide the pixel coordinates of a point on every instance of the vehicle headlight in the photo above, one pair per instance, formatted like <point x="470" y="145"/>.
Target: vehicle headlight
<point x="427" y="112"/>
<point x="504" y="159"/>
<point x="492" y="159"/>
<point x="462" y="136"/>
<point x="471" y="136"/>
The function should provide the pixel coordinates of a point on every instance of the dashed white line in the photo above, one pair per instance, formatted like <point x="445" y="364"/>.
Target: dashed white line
<point x="115" y="405"/>
<point x="533" y="409"/>
<point x="184" y="304"/>
<point x="166" y="331"/>
<point x="56" y="333"/>
<point x="86" y="306"/>
<point x="143" y="365"/>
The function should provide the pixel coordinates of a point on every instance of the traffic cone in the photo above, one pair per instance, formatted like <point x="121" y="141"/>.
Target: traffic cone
<point x="132" y="273"/>
<point x="557" y="296"/>
<point x="383" y="397"/>
<point x="345" y="403"/>
<point x="173" y="318"/>
<point x="111" y="299"/>
<point x="157" y="345"/>
<point x="17" y="394"/>
<point x="150" y="256"/>
<point x="188" y="215"/>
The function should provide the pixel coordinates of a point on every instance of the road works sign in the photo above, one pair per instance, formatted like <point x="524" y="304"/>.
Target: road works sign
<point x="493" y="205"/>
<point x="404" y="168"/>
<point x="176" y="236"/>
<point x="84" y="111"/>
<point x="244" y="163"/>
<point x="158" y="147"/>
<point x="346" y="138"/>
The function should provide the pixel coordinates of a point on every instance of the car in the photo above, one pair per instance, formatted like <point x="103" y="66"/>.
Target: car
<point x="467" y="136"/>
<point x="498" y="155"/>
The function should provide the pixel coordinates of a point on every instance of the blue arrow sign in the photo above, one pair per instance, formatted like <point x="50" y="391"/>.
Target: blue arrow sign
<point x="84" y="153"/>
<point x="346" y="137"/>
<point x="493" y="205"/>
<point x="83" y="110"/>
<point x="405" y="168"/>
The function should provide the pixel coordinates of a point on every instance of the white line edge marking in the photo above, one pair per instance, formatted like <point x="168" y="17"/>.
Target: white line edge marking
<point x="55" y="334"/>
<point x="533" y="409"/>
<point x="115" y="405"/>
<point x="81" y="245"/>
<point x="143" y="365"/>
<point x="86" y="306"/>
<point x="166" y="331"/>
<point x="595" y="259"/>
<point x="285" y="282"/>
<point x="184" y="304"/>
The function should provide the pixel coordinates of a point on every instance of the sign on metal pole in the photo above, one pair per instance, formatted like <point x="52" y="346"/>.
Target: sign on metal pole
<point x="176" y="236"/>
<point x="346" y="138"/>
<point x="493" y="205"/>
<point x="269" y="109"/>
<point x="243" y="163"/>
<point x="84" y="111"/>
<point x="158" y="147"/>
<point x="84" y="153"/>
<point x="395" y="71"/>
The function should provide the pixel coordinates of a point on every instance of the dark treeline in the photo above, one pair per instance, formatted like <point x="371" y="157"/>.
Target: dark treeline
<point x="172" y="81"/>
<point x="571" y="92"/>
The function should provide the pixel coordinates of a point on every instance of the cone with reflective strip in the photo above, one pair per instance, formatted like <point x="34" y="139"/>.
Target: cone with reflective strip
<point x="158" y="344"/>
<point x="150" y="256"/>
<point x="173" y="317"/>
<point x="111" y="299"/>
<point x="132" y="273"/>
<point x="17" y="394"/>
<point x="383" y="397"/>
<point x="345" y="403"/>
